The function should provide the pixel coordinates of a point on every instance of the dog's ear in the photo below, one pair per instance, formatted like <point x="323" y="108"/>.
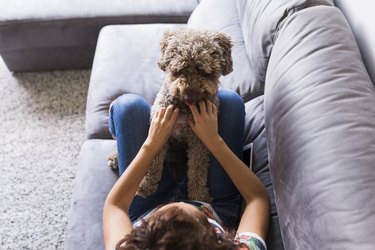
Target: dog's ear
<point x="166" y="57"/>
<point x="225" y="43"/>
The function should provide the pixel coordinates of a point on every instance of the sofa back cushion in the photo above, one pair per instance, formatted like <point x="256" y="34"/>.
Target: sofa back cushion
<point x="222" y="15"/>
<point x="125" y="61"/>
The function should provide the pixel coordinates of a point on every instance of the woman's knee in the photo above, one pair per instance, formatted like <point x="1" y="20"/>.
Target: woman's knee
<point x="230" y="102"/>
<point x="130" y="105"/>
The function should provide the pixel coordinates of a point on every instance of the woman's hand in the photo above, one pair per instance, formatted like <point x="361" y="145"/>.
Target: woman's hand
<point x="161" y="127"/>
<point x="205" y="123"/>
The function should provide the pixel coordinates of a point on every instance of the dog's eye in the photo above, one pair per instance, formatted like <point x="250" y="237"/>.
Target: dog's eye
<point x="198" y="66"/>
<point x="199" y="69"/>
<point x="214" y="55"/>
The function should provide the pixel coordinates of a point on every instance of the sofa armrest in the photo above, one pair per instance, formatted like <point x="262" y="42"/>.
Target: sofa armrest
<point x="320" y="123"/>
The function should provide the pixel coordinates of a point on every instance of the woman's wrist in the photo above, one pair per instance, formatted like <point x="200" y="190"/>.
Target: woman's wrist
<point x="215" y="143"/>
<point x="151" y="146"/>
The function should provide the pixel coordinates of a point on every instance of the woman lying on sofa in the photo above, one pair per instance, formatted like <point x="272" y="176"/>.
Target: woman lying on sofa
<point x="167" y="219"/>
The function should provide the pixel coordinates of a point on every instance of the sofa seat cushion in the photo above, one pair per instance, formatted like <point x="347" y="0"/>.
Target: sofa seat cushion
<point x="45" y="35"/>
<point x="125" y="62"/>
<point x="94" y="180"/>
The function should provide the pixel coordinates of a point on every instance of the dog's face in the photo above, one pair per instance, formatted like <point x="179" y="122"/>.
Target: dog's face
<point x="194" y="61"/>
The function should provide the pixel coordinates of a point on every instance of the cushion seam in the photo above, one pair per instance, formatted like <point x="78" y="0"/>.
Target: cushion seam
<point x="290" y="11"/>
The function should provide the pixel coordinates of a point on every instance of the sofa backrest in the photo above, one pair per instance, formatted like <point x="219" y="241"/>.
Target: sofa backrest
<point x="260" y="20"/>
<point x="253" y="26"/>
<point x="360" y="16"/>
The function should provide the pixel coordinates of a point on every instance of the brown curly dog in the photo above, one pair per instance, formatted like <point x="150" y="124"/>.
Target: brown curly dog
<point x="194" y="60"/>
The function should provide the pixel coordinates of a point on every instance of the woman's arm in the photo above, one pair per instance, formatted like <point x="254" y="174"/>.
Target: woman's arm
<point x="116" y="222"/>
<point x="256" y="214"/>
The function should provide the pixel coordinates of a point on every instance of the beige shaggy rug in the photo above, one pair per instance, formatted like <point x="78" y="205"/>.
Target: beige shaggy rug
<point x="41" y="132"/>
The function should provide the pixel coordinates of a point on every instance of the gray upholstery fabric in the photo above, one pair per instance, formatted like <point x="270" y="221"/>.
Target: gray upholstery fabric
<point x="320" y="123"/>
<point x="252" y="26"/>
<point x="125" y="62"/>
<point x="94" y="179"/>
<point x="64" y="34"/>
<point x="312" y="129"/>
<point x="34" y="10"/>
<point x="361" y="19"/>
<point x="260" y="20"/>
<point x="255" y="134"/>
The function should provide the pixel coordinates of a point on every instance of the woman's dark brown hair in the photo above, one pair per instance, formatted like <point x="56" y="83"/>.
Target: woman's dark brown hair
<point x="174" y="229"/>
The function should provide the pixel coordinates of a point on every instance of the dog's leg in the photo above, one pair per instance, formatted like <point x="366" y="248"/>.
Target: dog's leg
<point x="112" y="159"/>
<point x="198" y="162"/>
<point x="150" y="181"/>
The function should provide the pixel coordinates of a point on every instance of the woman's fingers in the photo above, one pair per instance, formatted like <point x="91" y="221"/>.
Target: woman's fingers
<point x="176" y="111"/>
<point x="161" y="112"/>
<point x="203" y="107"/>
<point x="168" y="113"/>
<point x="204" y="122"/>
<point x="174" y="115"/>
<point x="194" y="110"/>
<point x="214" y="109"/>
<point x="162" y="125"/>
<point x="210" y="107"/>
<point x="191" y="123"/>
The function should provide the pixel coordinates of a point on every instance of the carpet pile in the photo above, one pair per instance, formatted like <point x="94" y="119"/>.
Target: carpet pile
<point x="41" y="131"/>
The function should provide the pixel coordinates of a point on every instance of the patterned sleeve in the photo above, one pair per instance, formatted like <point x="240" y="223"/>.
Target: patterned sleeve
<point x="251" y="240"/>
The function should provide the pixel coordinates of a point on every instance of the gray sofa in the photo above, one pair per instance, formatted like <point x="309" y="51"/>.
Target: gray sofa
<point x="38" y="35"/>
<point x="310" y="114"/>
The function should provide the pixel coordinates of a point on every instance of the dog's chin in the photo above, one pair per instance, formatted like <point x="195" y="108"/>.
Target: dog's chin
<point x="180" y="126"/>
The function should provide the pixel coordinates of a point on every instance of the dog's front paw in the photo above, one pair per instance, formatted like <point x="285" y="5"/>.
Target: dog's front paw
<point x="112" y="160"/>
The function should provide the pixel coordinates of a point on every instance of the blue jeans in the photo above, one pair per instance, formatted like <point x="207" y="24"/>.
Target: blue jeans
<point x="129" y="121"/>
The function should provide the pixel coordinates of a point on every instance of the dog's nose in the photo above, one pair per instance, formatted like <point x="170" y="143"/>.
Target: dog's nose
<point x="189" y="100"/>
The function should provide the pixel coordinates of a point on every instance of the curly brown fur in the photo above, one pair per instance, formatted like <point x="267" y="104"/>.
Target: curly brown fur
<point x="193" y="60"/>
<point x="112" y="159"/>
